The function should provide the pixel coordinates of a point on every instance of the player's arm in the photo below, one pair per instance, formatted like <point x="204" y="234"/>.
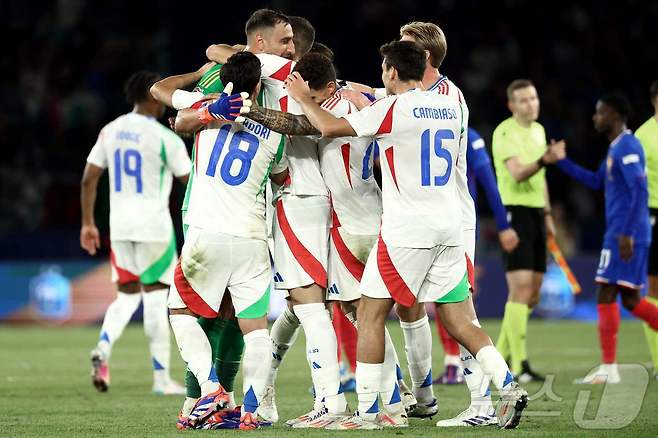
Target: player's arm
<point x="636" y="180"/>
<point x="593" y="180"/>
<point x="326" y="123"/>
<point x="522" y="172"/>
<point x="284" y="123"/>
<point x="89" y="236"/>
<point x="220" y="53"/>
<point x="164" y="90"/>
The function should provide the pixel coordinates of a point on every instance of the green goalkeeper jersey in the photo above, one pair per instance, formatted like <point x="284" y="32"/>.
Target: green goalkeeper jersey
<point x="648" y="136"/>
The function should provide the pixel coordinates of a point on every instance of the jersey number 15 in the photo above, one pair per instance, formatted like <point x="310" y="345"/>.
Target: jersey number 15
<point x="439" y="151"/>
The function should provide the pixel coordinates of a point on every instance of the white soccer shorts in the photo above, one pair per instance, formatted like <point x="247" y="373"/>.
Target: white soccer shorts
<point x="210" y="263"/>
<point x="410" y="275"/>
<point x="348" y="254"/>
<point x="145" y="262"/>
<point x="301" y="240"/>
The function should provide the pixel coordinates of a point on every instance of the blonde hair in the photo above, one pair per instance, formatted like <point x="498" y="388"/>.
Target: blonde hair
<point x="430" y="37"/>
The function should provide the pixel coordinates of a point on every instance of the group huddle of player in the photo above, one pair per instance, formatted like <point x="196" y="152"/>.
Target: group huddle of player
<point x="282" y="195"/>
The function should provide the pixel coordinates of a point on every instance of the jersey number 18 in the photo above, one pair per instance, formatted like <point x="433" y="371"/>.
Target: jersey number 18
<point x="234" y="154"/>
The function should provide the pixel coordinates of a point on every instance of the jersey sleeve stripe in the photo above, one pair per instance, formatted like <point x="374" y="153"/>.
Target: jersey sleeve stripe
<point x="387" y="123"/>
<point x="352" y="264"/>
<point x="345" y="151"/>
<point x="391" y="165"/>
<point x="189" y="296"/>
<point x="282" y="73"/>
<point x="303" y="256"/>
<point x="394" y="283"/>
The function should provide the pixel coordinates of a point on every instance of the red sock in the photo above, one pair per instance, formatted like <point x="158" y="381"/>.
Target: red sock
<point x="609" y="320"/>
<point x="348" y="337"/>
<point x="647" y="312"/>
<point x="337" y="323"/>
<point x="450" y="346"/>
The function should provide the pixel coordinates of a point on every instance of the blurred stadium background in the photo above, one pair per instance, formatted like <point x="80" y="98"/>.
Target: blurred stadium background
<point x="65" y="61"/>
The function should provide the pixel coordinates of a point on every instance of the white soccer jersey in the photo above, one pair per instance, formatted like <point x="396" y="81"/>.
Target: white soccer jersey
<point x="346" y="165"/>
<point x="301" y="151"/>
<point x="141" y="156"/>
<point x="445" y="86"/>
<point x="233" y="163"/>
<point x="419" y="137"/>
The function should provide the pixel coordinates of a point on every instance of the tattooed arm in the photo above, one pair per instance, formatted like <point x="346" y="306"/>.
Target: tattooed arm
<point x="281" y="122"/>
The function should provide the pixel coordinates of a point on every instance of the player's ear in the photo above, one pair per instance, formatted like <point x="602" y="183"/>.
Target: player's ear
<point x="331" y="87"/>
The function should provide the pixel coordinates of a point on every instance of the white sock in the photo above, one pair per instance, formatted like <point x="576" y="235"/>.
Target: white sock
<point x="188" y="405"/>
<point x="494" y="368"/>
<point x="255" y="368"/>
<point x="389" y="389"/>
<point x="368" y="379"/>
<point x="478" y="386"/>
<point x="284" y="334"/>
<point x="322" y="351"/>
<point x="156" y="328"/>
<point x="195" y="350"/>
<point x="418" y="346"/>
<point x="116" y="319"/>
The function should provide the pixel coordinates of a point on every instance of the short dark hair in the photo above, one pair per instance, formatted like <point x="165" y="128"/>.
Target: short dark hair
<point x="243" y="69"/>
<point x="316" y="69"/>
<point x="407" y="57"/>
<point x="138" y="84"/>
<point x="517" y="84"/>
<point x="653" y="90"/>
<point x="322" y="49"/>
<point x="619" y="103"/>
<point x="263" y="18"/>
<point x="303" y="35"/>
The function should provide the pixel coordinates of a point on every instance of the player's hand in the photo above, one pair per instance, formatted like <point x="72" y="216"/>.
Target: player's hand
<point x="297" y="87"/>
<point x="90" y="240"/>
<point x="356" y="97"/>
<point x="509" y="240"/>
<point x="625" y="247"/>
<point x="557" y="151"/>
<point x="228" y="107"/>
<point x="550" y="225"/>
<point x="172" y="123"/>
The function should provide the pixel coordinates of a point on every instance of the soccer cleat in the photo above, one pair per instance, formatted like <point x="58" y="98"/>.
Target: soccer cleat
<point x="322" y="419"/>
<point x="453" y="375"/>
<point x="100" y="371"/>
<point x="422" y="410"/>
<point x="307" y="417"/>
<point x="267" y="408"/>
<point x="408" y="399"/>
<point x="355" y="422"/>
<point x="605" y="373"/>
<point x="528" y="375"/>
<point x="170" y="388"/>
<point x="397" y="419"/>
<point x="182" y="422"/>
<point x="207" y="405"/>
<point x="469" y="418"/>
<point x="511" y="406"/>
<point x="248" y="421"/>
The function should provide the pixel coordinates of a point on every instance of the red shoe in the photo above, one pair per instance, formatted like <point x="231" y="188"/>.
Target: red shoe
<point x="207" y="405"/>
<point x="100" y="371"/>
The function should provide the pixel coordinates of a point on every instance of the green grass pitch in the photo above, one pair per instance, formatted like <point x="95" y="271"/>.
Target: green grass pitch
<point x="45" y="388"/>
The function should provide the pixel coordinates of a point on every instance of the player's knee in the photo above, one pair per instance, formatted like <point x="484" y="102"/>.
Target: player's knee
<point x="629" y="301"/>
<point x="183" y="311"/>
<point x="410" y="314"/>
<point x="154" y="286"/>
<point x="248" y="325"/>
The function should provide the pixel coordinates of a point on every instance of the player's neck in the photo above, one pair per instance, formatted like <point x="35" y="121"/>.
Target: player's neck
<point x="521" y="121"/>
<point x="430" y="77"/>
<point x="616" y="131"/>
<point x="404" y="86"/>
<point x="655" y="116"/>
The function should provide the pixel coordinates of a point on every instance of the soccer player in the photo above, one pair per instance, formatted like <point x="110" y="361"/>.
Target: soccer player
<point x="226" y="247"/>
<point x="648" y="136"/>
<point x="520" y="154"/>
<point x="346" y="165"/>
<point x="141" y="155"/>
<point x="623" y="266"/>
<point x="419" y="256"/>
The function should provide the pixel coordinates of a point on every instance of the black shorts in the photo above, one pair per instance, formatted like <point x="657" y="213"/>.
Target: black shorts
<point x="531" y="252"/>
<point x="653" y="249"/>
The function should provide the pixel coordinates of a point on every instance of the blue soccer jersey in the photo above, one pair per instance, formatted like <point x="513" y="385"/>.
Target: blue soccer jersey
<point x="479" y="170"/>
<point x="623" y="177"/>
